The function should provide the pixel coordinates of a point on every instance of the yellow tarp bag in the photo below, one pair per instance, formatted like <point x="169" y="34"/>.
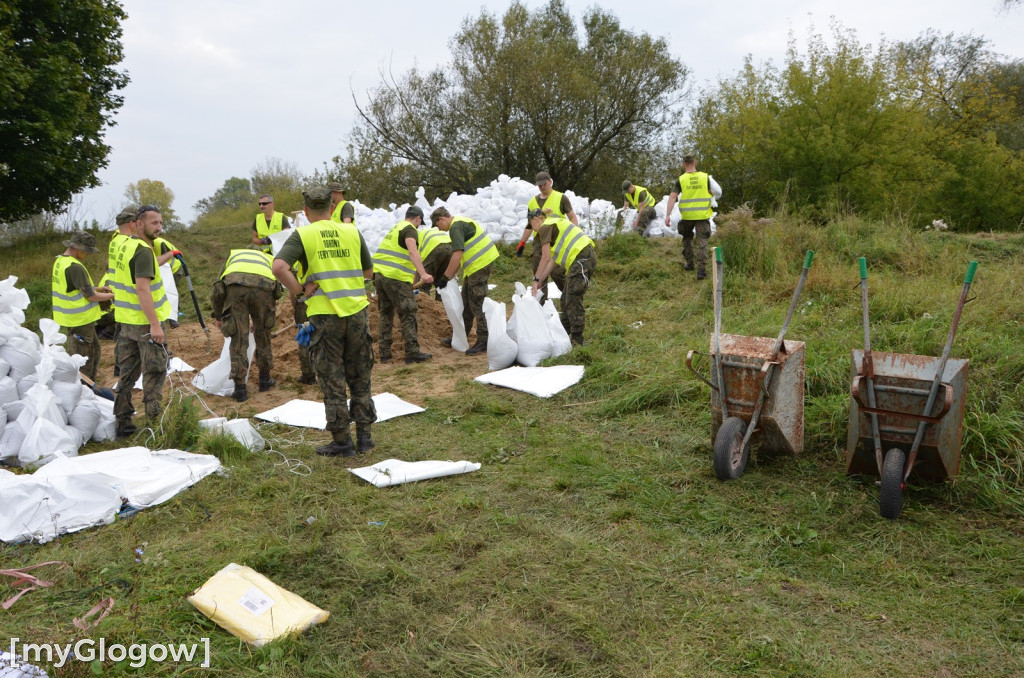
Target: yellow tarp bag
<point x="245" y="603"/>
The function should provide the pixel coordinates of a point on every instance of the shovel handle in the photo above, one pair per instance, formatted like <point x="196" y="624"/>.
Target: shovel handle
<point x="718" y="254"/>
<point x="808" y="258"/>
<point x="863" y="262"/>
<point x="971" y="270"/>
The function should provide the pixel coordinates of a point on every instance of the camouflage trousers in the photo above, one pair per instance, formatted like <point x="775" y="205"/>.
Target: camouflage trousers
<point x="436" y="263"/>
<point x="240" y="304"/>
<point x="83" y="340"/>
<point x="535" y="258"/>
<point x="305" y="363"/>
<point x="647" y="215"/>
<point x="474" y="291"/>
<point x="342" y="353"/>
<point x="702" y="229"/>
<point x="574" y="284"/>
<point x="137" y="356"/>
<point x="396" y="296"/>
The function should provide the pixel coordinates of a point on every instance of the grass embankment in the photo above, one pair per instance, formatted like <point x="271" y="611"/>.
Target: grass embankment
<point x="595" y="540"/>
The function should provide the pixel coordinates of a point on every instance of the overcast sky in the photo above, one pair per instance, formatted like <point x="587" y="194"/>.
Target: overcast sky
<point x="218" y="86"/>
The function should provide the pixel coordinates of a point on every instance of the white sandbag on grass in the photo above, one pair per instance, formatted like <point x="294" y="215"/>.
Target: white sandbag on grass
<point x="40" y="509"/>
<point x="46" y="441"/>
<point x="501" y="349"/>
<point x="215" y="378"/>
<point x="395" y="472"/>
<point x="311" y="413"/>
<point x="451" y="297"/>
<point x="533" y="338"/>
<point x="85" y="418"/>
<point x="68" y="394"/>
<point x="241" y="429"/>
<point x="560" y="343"/>
<point x="543" y="382"/>
<point x="22" y="355"/>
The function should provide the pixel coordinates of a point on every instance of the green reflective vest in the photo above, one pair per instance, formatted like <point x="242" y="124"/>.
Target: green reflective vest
<point x="71" y="309"/>
<point x="250" y="261"/>
<point x="553" y="203"/>
<point x="635" y="198"/>
<point x="570" y="242"/>
<point x="695" y="198"/>
<point x="427" y="240"/>
<point x="127" y="309"/>
<point x="157" y="247"/>
<point x="392" y="260"/>
<point x="263" y="229"/>
<point x="479" y="251"/>
<point x="336" y="214"/>
<point x="333" y="253"/>
<point x="115" y="242"/>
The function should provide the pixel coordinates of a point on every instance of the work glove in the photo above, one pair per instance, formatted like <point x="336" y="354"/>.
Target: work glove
<point x="304" y="335"/>
<point x="265" y="241"/>
<point x="519" y="249"/>
<point x="175" y="253"/>
<point x="441" y="283"/>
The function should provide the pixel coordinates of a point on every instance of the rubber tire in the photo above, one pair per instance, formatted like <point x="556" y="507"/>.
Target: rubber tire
<point x="890" y="499"/>
<point x="729" y="460"/>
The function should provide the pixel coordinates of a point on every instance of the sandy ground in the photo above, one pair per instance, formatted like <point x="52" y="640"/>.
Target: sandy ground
<point x="436" y="377"/>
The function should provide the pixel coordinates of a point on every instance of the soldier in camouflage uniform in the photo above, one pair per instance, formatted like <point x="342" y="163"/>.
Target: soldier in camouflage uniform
<point x="474" y="253"/>
<point x="569" y="258"/>
<point x="246" y="296"/>
<point x="336" y="261"/>
<point x="76" y="301"/>
<point x="697" y="193"/>
<point x="307" y="373"/>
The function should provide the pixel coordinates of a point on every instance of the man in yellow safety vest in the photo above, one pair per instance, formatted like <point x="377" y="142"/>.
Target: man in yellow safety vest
<point x="696" y="192"/>
<point x="76" y="301"/>
<point x="568" y="257"/>
<point x="640" y="199"/>
<point x="266" y="223"/>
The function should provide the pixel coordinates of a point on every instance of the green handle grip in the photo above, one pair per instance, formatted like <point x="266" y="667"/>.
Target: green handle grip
<point x="718" y="254"/>
<point x="863" y="268"/>
<point x="808" y="258"/>
<point x="971" y="269"/>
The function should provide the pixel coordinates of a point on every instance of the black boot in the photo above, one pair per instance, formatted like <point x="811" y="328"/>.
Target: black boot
<point x="576" y="339"/>
<point x="689" y="266"/>
<point x="364" y="443"/>
<point x="241" y="393"/>
<point x="417" y="358"/>
<point x="307" y="379"/>
<point x="477" y="348"/>
<point x="341" y="446"/>
<point x="447" y="343"/>
<point x="701" y="274"/>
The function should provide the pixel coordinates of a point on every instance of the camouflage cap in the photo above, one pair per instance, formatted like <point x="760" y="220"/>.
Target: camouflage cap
<point x="317" y="197"/>
<point x="626" y="185"/>
<point x="83" y="241"/>
<point x="415" y="211"/>
<point x="542" y="177"/>
<point x="126" y="215"/>
<point x="335" y="186"/>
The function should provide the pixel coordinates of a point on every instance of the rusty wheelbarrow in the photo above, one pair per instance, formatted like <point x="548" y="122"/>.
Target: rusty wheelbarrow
<point x="757" y="389"/>
<point x="910" y="406"/>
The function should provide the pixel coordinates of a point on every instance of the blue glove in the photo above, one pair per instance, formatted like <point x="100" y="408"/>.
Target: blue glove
<point x="304" y="335"/>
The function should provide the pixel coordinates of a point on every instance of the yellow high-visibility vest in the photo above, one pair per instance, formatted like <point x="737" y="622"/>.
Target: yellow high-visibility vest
<point x="427" y="239"/>
<point x="127" y="309"/>
<point x="570" y="242"/>
<point x="250" y="261"/>
<point x="263" y="229"/>
<point x="553" y="203"/>
<point x="392" y="260"/>
<point x="71" y="309"/>
<point x="175" y="263"/>
<point x="115" y="242"/>
<point x="694" y="198"/>
<point x="635" y="198"/>
<point x="479" y="251"/>
<point x="336" y="214"/>
<point x="333" y="253"/>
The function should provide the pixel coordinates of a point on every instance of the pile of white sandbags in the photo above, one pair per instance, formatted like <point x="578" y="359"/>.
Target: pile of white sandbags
<point x="45" y="411"/>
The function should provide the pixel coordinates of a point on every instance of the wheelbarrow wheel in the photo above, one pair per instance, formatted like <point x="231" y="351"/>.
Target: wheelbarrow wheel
<point x="890" y="500"/>
<point x="731" y="455"/>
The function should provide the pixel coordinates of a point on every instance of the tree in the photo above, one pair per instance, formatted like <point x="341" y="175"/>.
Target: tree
<point x="524" y="93"/>
<point x="58" y="83"/>
<point x="279" y="179"/>
<point x="153" y="192"/>
<point x="235" y="193"/>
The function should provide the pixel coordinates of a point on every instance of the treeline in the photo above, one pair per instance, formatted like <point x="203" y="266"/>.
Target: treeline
<point x="913" y="131"/>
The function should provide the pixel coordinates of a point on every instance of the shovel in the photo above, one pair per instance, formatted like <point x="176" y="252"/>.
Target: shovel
<point x="195" y="301"/>
<point x="869" y="365"/>
<point x="100" y="391"/>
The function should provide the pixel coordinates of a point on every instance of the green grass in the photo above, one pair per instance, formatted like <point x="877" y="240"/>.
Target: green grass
<point x="595" y="540"/>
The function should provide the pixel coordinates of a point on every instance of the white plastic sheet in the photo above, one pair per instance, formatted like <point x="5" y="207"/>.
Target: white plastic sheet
<point x="543" y="382"/>
<point x="395" y="472"/>
<point x="215" y="378"/>
<point x="451" y="297"/>
<point x="311" y="413"/>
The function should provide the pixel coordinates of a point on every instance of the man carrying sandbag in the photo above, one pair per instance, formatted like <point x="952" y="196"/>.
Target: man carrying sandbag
<point x="76" y="301"/>
<point x="475" y="253"/>
<point x="246" y="296"/>
<point x="567" y="255"/>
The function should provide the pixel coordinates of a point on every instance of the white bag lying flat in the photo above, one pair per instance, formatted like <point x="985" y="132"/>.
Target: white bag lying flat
<point x="241" y="429"/>
<point x="395" y="472"/>
<point x="501" y="348"/>
<point x="176" y="364"/>
<point x="451" y="297"/>
<point x="215" y="378"/>
<point x="539" y="381"/>
<point x="311" y="413"/>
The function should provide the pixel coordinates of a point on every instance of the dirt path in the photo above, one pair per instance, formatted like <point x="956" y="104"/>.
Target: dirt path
<point x="436" y="377"/>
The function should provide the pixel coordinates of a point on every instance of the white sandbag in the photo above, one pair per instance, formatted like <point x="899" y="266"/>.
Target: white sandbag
<point x="51" y="332"/>
<point x="106" y="429"/>
<point x="560" y="343"/>
<point x="41" y="402"/>
<point x="23" y="356"/>
<point x="170" y="288"/>
<point x="68" y="395"/>
<point x="451" y="297"/>
<point x="45" y="441"/>
<point x="501" y="349"/>
<point x="215" y="378"/>
<point x="85" y="418"/>
<point x="8" y="390"/>
<point x="241" y="429"/>
<point x="3" y="420"/>
<point x="13" y="301"/>
<point x="25" y="384"/>
<point x="10" y="442"/>
<point x="5" y="367"/>
<point x="65" y="366"/>
<point x="533" y="338"/>
<point x="14" y="408"/>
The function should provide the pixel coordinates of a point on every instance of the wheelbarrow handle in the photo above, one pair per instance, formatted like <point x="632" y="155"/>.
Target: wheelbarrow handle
<point x="765" y="374"/>
<point x="689" y="363"/>
<point x="947" y="404"/>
